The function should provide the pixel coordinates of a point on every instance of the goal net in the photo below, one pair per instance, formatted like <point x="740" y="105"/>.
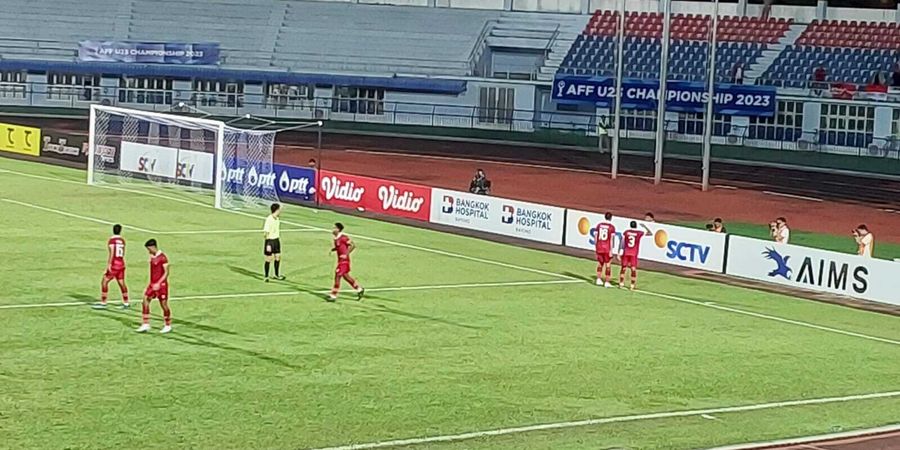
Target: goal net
<point x="127" y="146"/>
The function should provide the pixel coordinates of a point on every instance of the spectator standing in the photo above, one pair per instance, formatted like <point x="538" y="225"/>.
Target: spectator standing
<point x="718" y="225"/>
<point x="780" y="231"/>
<point x="737" y="73"/>
<point x="865" y="241"/>
<point x="480" y="184"/>
<point x="895" y="76"/>
<point x="820" y="75"/>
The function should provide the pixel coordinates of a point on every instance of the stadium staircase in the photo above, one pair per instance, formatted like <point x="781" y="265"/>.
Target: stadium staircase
<point x="552" y="34"/>
<point x="770" y="54"/>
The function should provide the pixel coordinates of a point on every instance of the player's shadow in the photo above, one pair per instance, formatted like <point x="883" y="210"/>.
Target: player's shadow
<point x="185" y="337"/>
<point x="127" y="319"/>
<point x="389" y="310"/>
<point x="579" y="276"/>
<point x="246" y="273"/>
<point x="83" y="298"/>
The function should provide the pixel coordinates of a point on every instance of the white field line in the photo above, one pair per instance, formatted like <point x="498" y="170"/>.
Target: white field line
<point x="435" y="287"/>
<point x="610" y="420"/>
<point x="357" y="236"/>
<point x="501" y="264"/>
<point x="825" y="439"/>
<point x="73" y="215"/>
<point x="798" y="197"/>
<point x="768" y="317"/>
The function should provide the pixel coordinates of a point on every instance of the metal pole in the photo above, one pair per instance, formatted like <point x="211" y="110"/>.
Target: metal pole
<point x="709" y="117"/>
<point x="663" y="89"/>
<point x="617" y="117"/>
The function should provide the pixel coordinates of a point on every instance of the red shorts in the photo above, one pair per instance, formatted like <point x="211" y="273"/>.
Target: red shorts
<point x="604" y="258"/>
<point x="117" y="273"/>
<point x="343" y="268"/>
<point x="162" y="293"/>
<point x="629" y="261"/>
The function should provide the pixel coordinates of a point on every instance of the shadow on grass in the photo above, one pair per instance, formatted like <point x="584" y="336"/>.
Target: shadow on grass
<point x="579" y="276"/>
<point x="376" y="307"/>
<point x="299" y="287"/>
<point x="183" y="335"/>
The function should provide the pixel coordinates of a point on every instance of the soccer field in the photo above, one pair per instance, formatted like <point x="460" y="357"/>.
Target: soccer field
<point x="461" y="344"/>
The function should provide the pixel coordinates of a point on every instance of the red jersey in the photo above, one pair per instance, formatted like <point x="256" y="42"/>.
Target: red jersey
<point x="157" y="269"/>
<point x="342" y="247"/>
<point x="604" y="237"/>
<point x="631" y="242"/>
<point x="116" y="247"/>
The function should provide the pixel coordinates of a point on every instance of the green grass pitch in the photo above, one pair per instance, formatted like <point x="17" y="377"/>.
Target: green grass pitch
<point x="458" y="335"/>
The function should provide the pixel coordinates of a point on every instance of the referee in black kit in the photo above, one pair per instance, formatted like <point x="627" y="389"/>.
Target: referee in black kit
<point x="272" y="248"/>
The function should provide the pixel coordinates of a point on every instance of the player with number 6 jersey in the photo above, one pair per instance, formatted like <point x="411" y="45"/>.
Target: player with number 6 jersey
<point x="631" y="248"/>
<point x="115" y="268"/>
<point x="604" y="235"/>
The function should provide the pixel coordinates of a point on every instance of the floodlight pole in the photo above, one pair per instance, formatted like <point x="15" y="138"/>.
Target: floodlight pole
<point x="709" y="117"/>
<point x="663" y="92"/>
<point x="617" y="116"/>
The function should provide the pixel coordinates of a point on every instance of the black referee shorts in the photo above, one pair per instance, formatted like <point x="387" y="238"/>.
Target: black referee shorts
<point x="272" y="247"/>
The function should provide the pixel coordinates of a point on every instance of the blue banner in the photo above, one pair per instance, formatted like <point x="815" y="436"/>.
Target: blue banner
<point x="681" y="96"/>
<point x="290" y="183"/>
<point x="205" y="53"/>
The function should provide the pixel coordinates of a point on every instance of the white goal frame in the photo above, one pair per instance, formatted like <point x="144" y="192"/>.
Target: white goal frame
<point x="219" y="126"/>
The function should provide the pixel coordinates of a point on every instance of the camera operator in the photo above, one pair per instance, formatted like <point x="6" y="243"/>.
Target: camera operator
<point x="480" y="184"/>
<point x="865" y="241"/>
<point x="780" y="230"/>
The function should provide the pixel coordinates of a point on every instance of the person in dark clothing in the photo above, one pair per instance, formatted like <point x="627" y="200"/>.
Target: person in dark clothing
<point x="480" y="184"/>
<point x="895" y="77"/>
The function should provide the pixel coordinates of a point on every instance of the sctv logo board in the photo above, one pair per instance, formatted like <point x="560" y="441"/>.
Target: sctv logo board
<point x="669" y="244"/>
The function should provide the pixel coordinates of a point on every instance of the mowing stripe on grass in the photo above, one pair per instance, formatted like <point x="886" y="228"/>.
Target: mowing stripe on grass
<point x="609" y="420"/>
<point x="357" y="236"/>
<point x="510" y="266"/>
<point x="435" y="287"/>
<point x="68" y="214"/>
<point x="171" y="233"/>
<point x="768" y="317"/>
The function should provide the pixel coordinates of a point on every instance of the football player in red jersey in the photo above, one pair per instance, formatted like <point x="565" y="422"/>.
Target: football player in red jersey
<point x="343" y="246"/>
<point x="158" y="288"/>
<point x="603" y="236"/>
<point x="631" y="247"/>
<point x="115" y="268"/>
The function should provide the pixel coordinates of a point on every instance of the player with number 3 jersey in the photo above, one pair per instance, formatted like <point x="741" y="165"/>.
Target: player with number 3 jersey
<point x="631" y="248"/>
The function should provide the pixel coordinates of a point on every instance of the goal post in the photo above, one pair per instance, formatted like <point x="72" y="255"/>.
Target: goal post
<point x="131" y="146"/>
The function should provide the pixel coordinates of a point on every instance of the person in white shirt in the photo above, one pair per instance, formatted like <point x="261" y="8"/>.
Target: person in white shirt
<point x="865" y="241"/>
<point x="781" y="232"/>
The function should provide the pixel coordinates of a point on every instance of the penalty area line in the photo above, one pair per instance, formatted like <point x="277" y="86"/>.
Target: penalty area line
<point x="611" y="420"/>
<point x="435" y="287"/>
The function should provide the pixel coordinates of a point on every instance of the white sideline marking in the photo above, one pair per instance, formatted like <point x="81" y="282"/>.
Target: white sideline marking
<point x="242" y="213"/>
<point x="302" y="230"/>
<point x="323" y="291"/>
<point x="798" y="197"/>
<point x="609" y="420"/>
<point x="500" y="264"/>
<point x="830" y="438"/>
<point x="768" y="317"/>
<point x="73" y="215"/>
